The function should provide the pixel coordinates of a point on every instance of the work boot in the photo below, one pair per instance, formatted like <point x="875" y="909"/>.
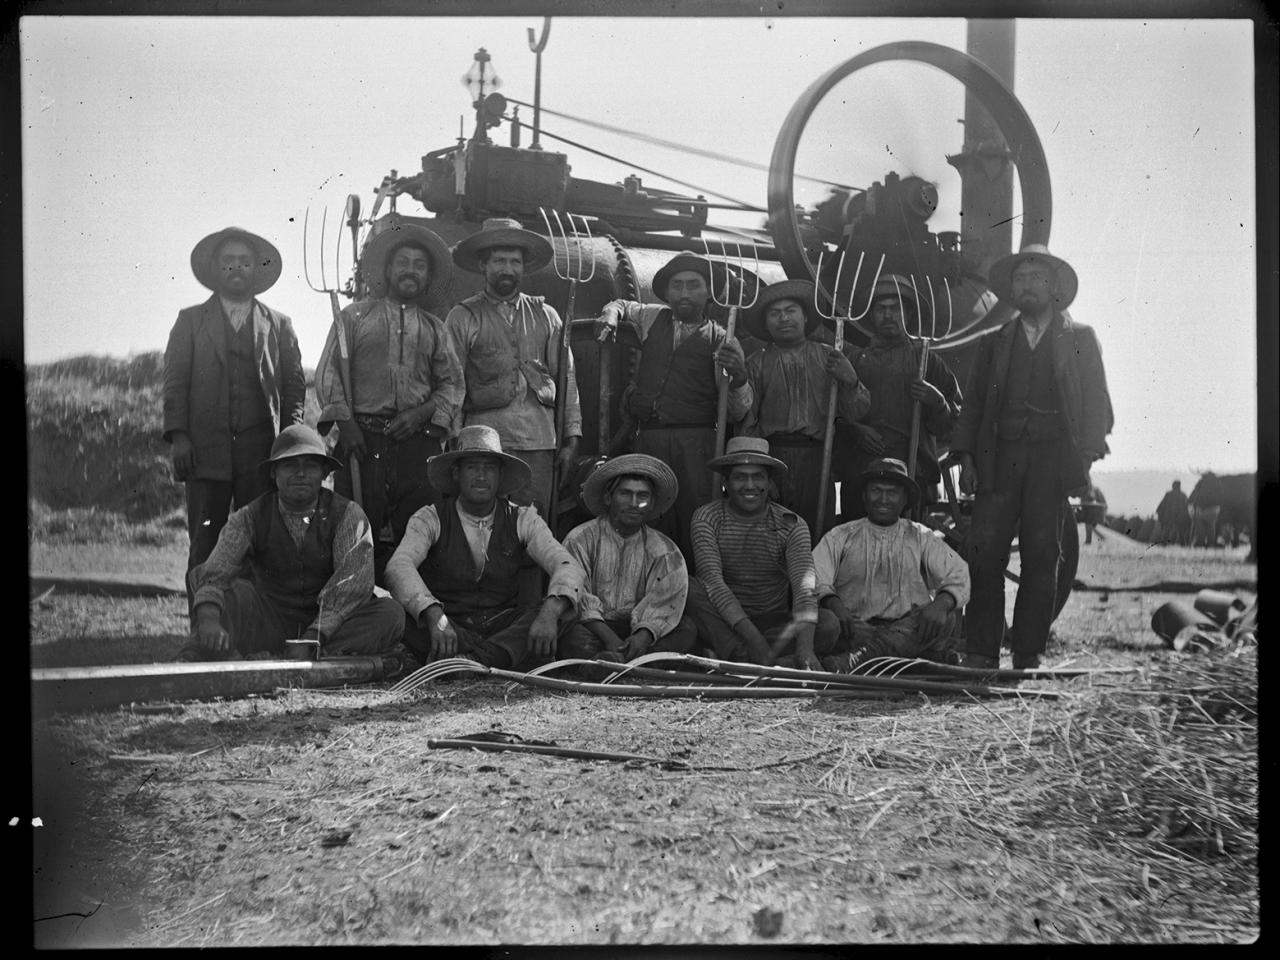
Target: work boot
<point x="1030" y="661"/>
<point x="844" y="662"/>
<point x="980" y="661"/>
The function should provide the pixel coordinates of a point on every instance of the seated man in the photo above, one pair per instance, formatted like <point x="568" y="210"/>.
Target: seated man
<point x="749" y="551"/>
<point x="455" y="570"/>
<point x="637" y="582"/>
<point x="895" y="587"/>
<point x="292" y="571"/>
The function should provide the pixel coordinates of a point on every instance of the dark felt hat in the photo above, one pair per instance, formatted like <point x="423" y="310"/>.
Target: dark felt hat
<point x="801" y="291"/>
<point x="373" y="259"/>
<point x="665" y="485"/>
<point x="502" y="232"/>
<point x="298" y="440"/>
<point x="1000" y="276"/>
<point x="712" y="271"/>
<point x="478" y="441"/>
<point x="266" y="256"/>
<point x="888" y="469"/>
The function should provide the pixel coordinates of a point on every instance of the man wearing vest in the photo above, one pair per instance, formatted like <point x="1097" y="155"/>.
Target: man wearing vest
<point x="672" y="400"/>
<point x="753" y="598"/>
<point x="232" y="379"/>
<point x="455" y="570"/>
<point x="509" y="346"/>
<point x="1035" y="418"/>
<point x="292" y="572"/>
<point x="404" y="375"/>
<point x="791" y="381"/>
<point x="890" y="367"/>
<point x="637" y="580"/>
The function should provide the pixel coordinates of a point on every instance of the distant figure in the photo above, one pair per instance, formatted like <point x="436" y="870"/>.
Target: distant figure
<point x="637" y="581"/>
<point x="1175" y="520"/>
<point x="405" y="379"/>
<point x="1094" y="509"/>
<point x="753" y="598"/>
<point x="1206" y="505"/>
<point x="232" y="380"/>
<point x="896" y="588"/>
<point x="292" y="572"/>
<point x="1036" y="416"/>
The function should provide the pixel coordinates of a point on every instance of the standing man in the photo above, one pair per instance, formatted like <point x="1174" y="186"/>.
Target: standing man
<point x="509" y="345"/>
<point x="455" y="570"/>
<point x="889" y="366"/>
<point x="753" y="598"/>
<point x="673" y="398"/>
<point x="292" y="572"/>
<point x="406" y="382"/>
<point x="637" y="582"/>
<point x="1174" y="516"/>
<point x="1035" y="418"/>
<point x="791" y="384"/>
<point x="1094" y="508"/>
<point x="232" y="379"/>
<point x="894" y="585"/>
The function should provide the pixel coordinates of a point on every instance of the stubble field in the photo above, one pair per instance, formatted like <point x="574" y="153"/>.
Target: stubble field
<point x="1126" y="811"/>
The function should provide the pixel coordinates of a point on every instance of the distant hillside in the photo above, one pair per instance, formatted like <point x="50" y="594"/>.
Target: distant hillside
<point x="93" y="436"/>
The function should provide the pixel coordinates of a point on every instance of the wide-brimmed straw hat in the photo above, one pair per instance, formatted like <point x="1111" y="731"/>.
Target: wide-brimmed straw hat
<point x="1000" y="277"/>
<point x="478" y="441"/>
<point x="502" y="232"/>
<point x="373" y="260"/>
<point x="298" y="440"/>
<point x="801" y="291"/>
<point x="265" y="254"/>
<point x="887" y="469"/>
<point x="665" y="485"/>
<point x="710" y="270"/>
<point x="746" y="452"/>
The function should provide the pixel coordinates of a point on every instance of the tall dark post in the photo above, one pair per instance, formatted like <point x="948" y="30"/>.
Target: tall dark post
<point x="986" y="168"/>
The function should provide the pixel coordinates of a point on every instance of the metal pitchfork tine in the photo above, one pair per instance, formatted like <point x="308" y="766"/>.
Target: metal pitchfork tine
<point x="575" y="271"/>
<point x="734" y="305"/>
<point x="339" y="331"/>
<point x="926" y="342"/>
<point x="839" y="318"/>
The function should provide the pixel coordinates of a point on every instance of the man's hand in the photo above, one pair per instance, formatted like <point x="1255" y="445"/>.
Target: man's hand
<point x="209" y="632"/>
<point x="564" y="458"/>
<point x="607" y="323"/>
<point x="444" y="639"/>
<point x="731" y="358"/>
<point x="968" y="473"/>
<point x="757" y="646"/>
<point x="543" y="630"/>
<point x="404" y="425"/>
<point x="609" y="641"/>
<point x="927" y="394"/>
<point x="847" y="619"/>
<point x="351" y="437"/>
<point x="935" y="617"/>
<point x="638" y="643"/>
<point x="183" y="455"/>
<point x="803" y="632"/>
<point x="840" y="369"/>
<point x="869" y="438"/>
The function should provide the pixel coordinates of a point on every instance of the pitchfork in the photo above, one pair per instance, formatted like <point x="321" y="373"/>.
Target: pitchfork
<point x="344" y="353"/>
<point x="734" y="304"/>
<point x="839" y="318"/>
<point x="574" y="270"/>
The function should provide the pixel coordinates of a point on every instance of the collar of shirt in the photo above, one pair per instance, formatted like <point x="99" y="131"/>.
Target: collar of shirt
<point x="1034" y="331"/>
<point x="237" y="311"/>
<point x="477" y="531"/>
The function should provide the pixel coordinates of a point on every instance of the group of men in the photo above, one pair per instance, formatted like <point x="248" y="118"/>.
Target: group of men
<point x="449" y="435"/>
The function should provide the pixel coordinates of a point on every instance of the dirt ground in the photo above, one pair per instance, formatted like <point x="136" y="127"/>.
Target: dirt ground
<point x="1124" y="812"/>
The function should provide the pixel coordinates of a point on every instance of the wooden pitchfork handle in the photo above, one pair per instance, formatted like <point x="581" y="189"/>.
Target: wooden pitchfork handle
<point x="722" y="398"/>
<point x="828" y="439"/>
<point x="912" y="452"/>
<point x="562" y="387"/>
<point x="344" y="374"/>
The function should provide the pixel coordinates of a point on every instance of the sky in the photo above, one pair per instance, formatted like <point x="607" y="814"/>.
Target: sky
<point x="143" y="134"/>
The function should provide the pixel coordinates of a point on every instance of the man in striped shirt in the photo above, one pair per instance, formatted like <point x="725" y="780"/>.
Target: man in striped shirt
<point x="753" y="598"/>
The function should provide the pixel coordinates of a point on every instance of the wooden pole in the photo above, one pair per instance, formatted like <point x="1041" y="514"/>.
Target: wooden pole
<point x="828" y="442"/>
<point x="722" y="399"/>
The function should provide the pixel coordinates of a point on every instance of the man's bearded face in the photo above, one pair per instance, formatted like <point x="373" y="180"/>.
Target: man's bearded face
<point x="687" y="295"/>
<point x="408" y="270"/>
<point x="503" y="271"/>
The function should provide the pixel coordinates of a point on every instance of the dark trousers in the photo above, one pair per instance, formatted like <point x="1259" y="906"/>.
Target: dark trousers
<point x="728" y="645"/>
<point x="393" y="478"/>
<point x="901" y="638"/>
<point x="209" y="501"/>
<point x="800" y="487"/>
<point x="500" y="639"/>
<point x="686" y="451"/>
<point x="581" y="642"/>
<point x="1025" y="498"/>
<point x="257" y="626"/>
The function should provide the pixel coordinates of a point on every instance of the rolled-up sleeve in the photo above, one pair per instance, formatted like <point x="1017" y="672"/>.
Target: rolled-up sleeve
<point x="706" y="557"/>
<point x="568" y="577"/>
<point x="226" y="561"/>
<point x="945" y="570"/>
<point x="826" y="563"/>
<point x="800" y="570"/>
<point x="402" y="576"/>
<point x="446" y="379"/>
<point x="665" y="591"/>
<point x="578" y="545"/>
<point x="351" y="583"/>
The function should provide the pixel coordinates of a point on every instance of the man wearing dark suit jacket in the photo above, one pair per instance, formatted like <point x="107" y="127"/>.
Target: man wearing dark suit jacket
<point x="1035" y="417"/>
<point x="232" y="380"/>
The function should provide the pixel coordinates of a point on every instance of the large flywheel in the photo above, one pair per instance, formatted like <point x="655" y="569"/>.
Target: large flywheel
<point x="888" y="217"/>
